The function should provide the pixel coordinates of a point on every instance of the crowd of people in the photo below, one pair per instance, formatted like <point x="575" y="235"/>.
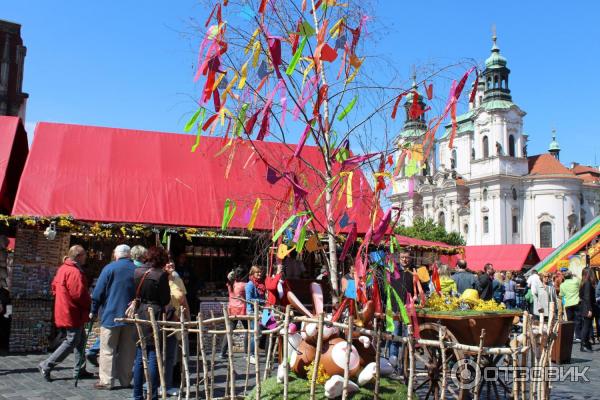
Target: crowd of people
<point x="579" y="298"/>
<point x="146" y="279"/>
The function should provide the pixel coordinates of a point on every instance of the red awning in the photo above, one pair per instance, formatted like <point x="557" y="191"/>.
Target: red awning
<point x="13" y="153"/>
<point x="408" y="242"/>
<point x="509" y="257"/>
<point x="544" y="252"/>
<point x="132" y="176"/>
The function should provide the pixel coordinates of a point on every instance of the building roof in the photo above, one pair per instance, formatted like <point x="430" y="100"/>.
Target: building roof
<point x="583" y="169"/>
<point x="13" y="153"/>
<point x="495" y="60"/>
<point x="133" y="176"/>
<point x="505" y="257"/>
<point x="546" y="164"/>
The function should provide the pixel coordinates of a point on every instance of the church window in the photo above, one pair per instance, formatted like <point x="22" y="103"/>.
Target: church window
<point x="486" y="224"/>
<point x="582" y="218"/>
<point x="581" y="198"/>
<point x="514" y="194"/>
<point x="442" y="220"/>
<point x="466" y="228"/>
<point x="511" y="146"/>
<point x="486" y="149"/>
<point x="515" y="224"/>
<point x="545" y="234"/>
<point x="485" y="194"/>
<point x="472" y="154"/>
<point x="453" y="159"/>
<point x="495" y="81"/>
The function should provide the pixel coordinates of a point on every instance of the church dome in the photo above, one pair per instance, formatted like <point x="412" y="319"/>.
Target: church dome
<point x="495" y="60"/>
<point x="554" y="146"/>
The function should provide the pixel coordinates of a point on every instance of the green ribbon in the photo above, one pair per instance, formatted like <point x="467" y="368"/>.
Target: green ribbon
<point x="241" y="118"/>
<point x="302" y="237"/>
<point x="389" y="312"/>
<point x="164" y="238"/>
<point x="290" y="69"/>
<point x="228" y="213"/>
<point x="348" y="108"/>
<point x="287" y="223"/>
<point x="202" y="115"/>
<point x="190" y="124"/>
<point x="342" y="155"/>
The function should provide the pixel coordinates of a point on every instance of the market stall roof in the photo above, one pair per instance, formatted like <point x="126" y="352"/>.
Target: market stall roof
<point x="505" y="257"/>
<point x="13" y="153"/>
<point x="544" y="252"/>
<point x="414" y="242"/>
<point x="133" y="176"/>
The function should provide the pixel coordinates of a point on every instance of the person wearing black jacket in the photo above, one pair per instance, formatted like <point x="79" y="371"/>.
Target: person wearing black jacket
<point x="486" y="283"/>
<point x="587" y="299"/>
<point x="152" y="290"/>
<point x="402" y="282"/>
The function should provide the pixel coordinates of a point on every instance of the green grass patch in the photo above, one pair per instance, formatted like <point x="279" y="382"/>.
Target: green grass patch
<point x="299" y="389"/>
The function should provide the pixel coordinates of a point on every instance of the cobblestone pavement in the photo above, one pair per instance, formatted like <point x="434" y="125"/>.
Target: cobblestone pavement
<point x="20" y="380"/>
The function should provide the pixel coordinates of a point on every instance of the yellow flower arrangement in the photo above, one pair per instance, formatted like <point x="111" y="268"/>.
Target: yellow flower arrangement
<point x="322" y="376"/>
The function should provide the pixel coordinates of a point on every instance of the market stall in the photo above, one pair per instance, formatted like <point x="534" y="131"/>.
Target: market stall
<point x="213" y="210"/>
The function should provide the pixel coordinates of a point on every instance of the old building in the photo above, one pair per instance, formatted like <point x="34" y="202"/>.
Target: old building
<point x="486" y="186"/>
<point x="12" y="59"/>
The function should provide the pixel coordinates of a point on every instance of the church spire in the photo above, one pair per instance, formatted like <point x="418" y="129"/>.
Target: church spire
<point x="554" y="147"/>
<point x="496" y="74"/>
<point x="414" y="122"/>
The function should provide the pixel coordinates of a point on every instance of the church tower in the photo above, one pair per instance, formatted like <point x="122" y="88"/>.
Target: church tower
<point x="554" y="147"/>
<point x="415" y="172"/>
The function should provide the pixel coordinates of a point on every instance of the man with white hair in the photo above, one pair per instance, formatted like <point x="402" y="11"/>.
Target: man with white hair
<point x="114" y="290"/>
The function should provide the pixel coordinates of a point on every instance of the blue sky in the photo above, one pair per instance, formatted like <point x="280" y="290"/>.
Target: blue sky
<point x="130" y="64"/>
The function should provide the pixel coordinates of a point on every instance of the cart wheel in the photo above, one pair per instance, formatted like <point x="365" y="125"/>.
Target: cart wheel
<point x="429" y="371"/>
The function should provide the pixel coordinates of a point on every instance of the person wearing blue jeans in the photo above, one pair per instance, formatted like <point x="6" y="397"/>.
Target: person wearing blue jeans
<point x="138" y="374"/>
<point x="170" y="361"/>
<point x="92" y="353"/>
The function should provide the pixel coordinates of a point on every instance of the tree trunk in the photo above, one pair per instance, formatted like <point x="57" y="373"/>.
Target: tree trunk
<point x="333" y="259"/>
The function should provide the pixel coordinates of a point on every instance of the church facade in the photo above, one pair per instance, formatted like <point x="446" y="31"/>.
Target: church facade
<point x="486" y="187"/>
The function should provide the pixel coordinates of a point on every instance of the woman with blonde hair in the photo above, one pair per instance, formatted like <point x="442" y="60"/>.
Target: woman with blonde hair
<point x="510" y="291"/>
<point x="448" y="285"/>
<point x="255" y="292"/>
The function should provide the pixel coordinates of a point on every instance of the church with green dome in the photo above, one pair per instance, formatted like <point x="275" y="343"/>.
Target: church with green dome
<point x="486" y="186"/>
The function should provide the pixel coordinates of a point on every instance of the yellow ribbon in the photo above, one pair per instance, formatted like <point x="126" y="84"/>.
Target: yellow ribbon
<point x="251" y="41"/>
<point x="228" y="88"/>
<point x="244" y="75"/>
<point x="310" y="66"/>
<point x="218" y="81"/>
<point x="349" y="175"/>
<point x="335" y="29"/>
<point x="256" y="53"/>
<point x="254" y="214"/>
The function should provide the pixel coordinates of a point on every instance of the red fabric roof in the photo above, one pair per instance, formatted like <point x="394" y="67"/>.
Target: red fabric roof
<point x="509" y="257"/>
<point x="408" y="241"/>
<point x="544" y="252"/>
<point x="122" y="175"/>
<point x="13" y="153"/>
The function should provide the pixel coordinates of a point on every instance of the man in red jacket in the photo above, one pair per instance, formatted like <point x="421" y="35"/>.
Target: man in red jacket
<point x="71" y="309"/>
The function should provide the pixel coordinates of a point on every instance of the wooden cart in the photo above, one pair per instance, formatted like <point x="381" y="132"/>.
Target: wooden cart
<point x="459" y="366"/>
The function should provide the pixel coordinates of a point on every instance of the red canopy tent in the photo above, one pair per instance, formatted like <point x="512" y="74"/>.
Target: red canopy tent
<point x="544" y="252"/>
<point x="133" y="176"/>
<point x="13" y="153"/>
<point x="506" y="257"/>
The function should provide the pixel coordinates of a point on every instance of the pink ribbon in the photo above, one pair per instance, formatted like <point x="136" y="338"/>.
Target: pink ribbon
<point x="349" y="241"/>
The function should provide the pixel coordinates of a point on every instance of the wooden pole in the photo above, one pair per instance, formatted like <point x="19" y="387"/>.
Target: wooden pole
<point x="203" y="355"/>
<point x="185" y="353"/>
<point x="144" y="357"/>
<point x="524" y="356"/>
<point x="442" y="335"/>
<point x="230" y="354"/>
<point x="164" y="338"/>
<point x="313" y="380"/>
<point x="478" y="370"/>
<point x="161" y="369"/>
<point x="411" y="362"/>
<point x="212" y="360"/>
<point x="268" y="360"/>
<point x="256" y="357"/>
<point x="247" y="338"/>
<point x="377" y="327"/>
<point x="286" y="364"/>
<point x="348" y="354"/>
